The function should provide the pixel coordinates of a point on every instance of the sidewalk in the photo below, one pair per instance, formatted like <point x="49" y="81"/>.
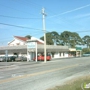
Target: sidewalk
<point x="13" y="64"/>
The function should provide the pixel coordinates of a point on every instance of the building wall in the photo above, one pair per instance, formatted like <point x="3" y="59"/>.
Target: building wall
<point x="31" y="55"/>
<point x="16" y="42"/>
<point x="60" y="55"/>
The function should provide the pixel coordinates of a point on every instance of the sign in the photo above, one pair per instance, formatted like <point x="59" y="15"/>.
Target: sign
<point x="78" y="48"/>
<point x="6" y="53"/>
<point x="87" y="85"/>
<point x="31" y="45"/>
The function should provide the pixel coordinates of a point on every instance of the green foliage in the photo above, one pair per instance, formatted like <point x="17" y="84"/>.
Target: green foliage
<point x="70" y="38"/>
<point x="55" y="37"/>
<point x="49" y="40"/>
<point x="42" y="38"/>
<point x="52" y="38"/>
<point x="28" y="36"/>
<point x="85" y="50"/>
<point x="86" y="40"/>
<point x="75" y="84"/>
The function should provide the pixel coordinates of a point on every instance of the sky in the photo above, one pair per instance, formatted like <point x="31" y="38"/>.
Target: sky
<point x="24" y="17"/>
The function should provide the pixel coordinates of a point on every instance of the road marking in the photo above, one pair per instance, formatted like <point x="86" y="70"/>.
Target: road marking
<point x="1" y="77"/>
<point x="35" y="74"/>
<point x="17" y="75"/>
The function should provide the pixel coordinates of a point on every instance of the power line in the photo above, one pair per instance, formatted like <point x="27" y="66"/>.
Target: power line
<point x="15" y="9"/>
<point x="70" y="11"/>
<point x="19" y="26"/>
<point x="71" y="31"/>
<point x="36" y="28"/>
<point x="38" y="18"/>
<point x="27" y="3"/>
<point x="9" y="38"/>
<point x="65" y="19"/>
<point x="17" y="17"/>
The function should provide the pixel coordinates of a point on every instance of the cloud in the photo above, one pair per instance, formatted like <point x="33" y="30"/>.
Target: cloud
<point x="82" y="15"/>
<point x="70" y="11"/>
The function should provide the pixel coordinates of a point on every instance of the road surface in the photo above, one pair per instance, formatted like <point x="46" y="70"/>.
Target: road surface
<point x="41" y="76"/>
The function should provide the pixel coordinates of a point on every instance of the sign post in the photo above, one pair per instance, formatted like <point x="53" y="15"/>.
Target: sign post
<point x="6" y="56"/>
<point x="32" y="45"/>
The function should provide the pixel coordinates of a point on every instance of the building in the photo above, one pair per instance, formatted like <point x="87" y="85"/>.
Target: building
<point x="18" y="46"/>
<point x="23" y="41"/>
<point x="75" y="52"/>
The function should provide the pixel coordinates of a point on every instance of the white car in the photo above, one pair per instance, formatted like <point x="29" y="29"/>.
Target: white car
<point x="2" y="59"/>
<point x="21" y="58"/>
<point x="86" y="54"/>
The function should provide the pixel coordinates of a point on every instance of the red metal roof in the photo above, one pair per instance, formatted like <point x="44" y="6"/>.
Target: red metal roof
<point x="39" y="42"/>
<point x="21" y="38"/>
<point x="25" y="39"/>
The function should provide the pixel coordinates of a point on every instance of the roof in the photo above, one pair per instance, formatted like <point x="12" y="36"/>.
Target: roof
<point x="21" y="38"/>
<point x="40" y="48"/>
<point x="24" y="39"/>
<point x="39" y="42"/>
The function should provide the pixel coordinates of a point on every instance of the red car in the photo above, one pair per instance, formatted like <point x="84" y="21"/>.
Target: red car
<point x="41" y="58"/>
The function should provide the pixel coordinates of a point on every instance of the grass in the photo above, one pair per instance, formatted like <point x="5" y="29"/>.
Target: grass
<point x="74" y="84"/>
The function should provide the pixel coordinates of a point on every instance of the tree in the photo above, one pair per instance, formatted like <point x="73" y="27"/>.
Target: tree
<point x="85" y="50"/>
<point x="55" y="37"/>
<point x="70" y="38"/>
<point x="28" y="36"/>
<point x="65" y="38"/>
<point x="49" y="40"/>
<point x="52" y="38"/>
<point x="86" y="40"/>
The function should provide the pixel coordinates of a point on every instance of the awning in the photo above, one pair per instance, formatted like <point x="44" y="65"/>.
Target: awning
<point x="40" y="48"/>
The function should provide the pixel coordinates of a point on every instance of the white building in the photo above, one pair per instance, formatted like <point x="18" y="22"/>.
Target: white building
<point x="22" y="41"/>
<point x="18" y="46"/>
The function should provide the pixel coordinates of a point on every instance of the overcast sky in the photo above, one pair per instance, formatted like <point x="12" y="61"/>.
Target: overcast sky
<point x="62" y="15"/>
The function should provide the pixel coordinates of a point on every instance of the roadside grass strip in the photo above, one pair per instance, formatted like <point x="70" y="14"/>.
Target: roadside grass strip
<point x="80" y="83"/>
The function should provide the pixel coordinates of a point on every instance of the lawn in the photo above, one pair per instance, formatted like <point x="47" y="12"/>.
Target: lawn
<point x="79" y="83"/>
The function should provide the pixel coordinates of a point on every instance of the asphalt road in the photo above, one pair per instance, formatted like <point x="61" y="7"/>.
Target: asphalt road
<point x="41" y="76"/>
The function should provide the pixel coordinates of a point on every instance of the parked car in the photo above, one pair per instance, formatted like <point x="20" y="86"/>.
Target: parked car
<point x="21" y="58"/>
<point x="2" y="59"/>
<point x="86" y="54"/>
<point x="11" y="58"/>
<point x="6" y="59"/>
<point x="41" y="58"/>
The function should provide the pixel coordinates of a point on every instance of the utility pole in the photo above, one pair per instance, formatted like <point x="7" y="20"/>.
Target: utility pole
<point x="44" y="29"/>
